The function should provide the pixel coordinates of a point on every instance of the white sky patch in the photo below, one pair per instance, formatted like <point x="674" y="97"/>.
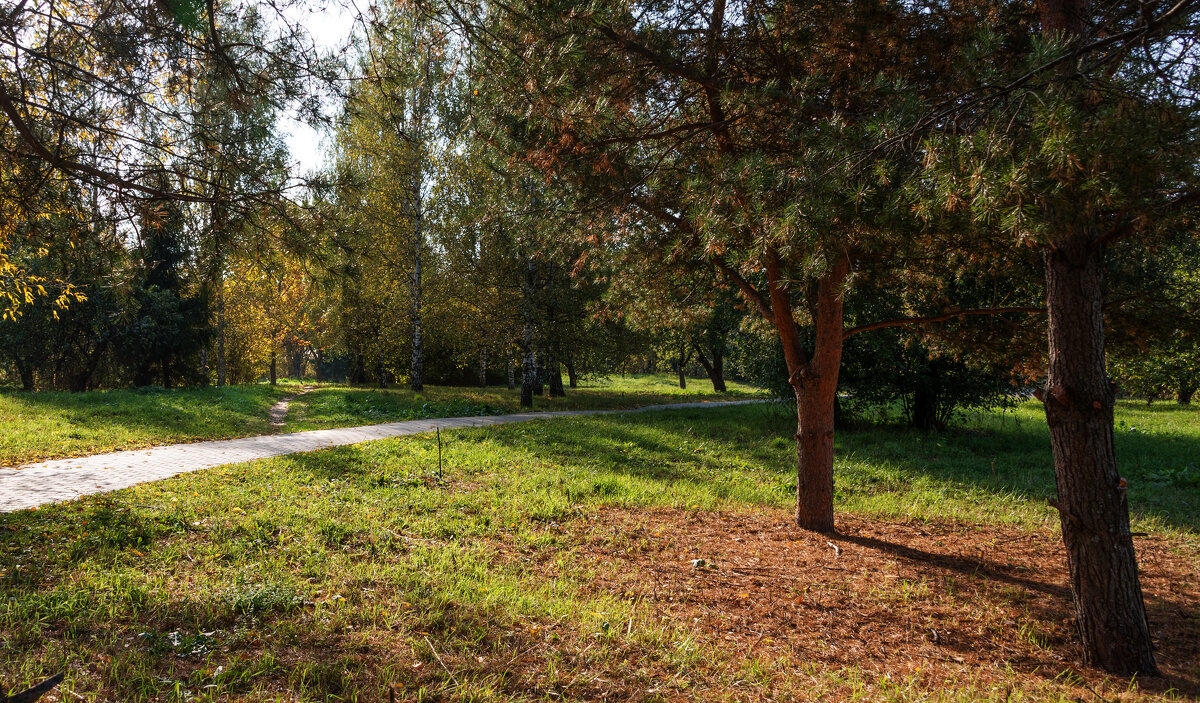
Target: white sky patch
<point x="330" y="23"/>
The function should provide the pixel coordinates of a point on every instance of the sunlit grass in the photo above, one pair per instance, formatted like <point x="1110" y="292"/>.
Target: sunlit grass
<point x="336" y="574"/>
<point x="50" y="424"/>
<point x="45" y="425"/>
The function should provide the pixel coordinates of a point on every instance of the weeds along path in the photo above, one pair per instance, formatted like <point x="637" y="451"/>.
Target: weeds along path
<point x="66" y="479"/>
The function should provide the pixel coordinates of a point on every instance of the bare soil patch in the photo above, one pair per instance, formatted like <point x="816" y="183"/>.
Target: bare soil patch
<point x="278" y="412"/>
<point x="939" y="602"/>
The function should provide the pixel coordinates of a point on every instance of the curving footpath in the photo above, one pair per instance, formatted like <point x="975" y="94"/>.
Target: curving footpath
<point x="67" y="479"/>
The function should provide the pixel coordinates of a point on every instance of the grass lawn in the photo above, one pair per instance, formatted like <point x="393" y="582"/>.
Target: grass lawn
<point x="340" y="406"/>
<point x="53" y="424"/>
<point x="634" y="557"/>
<point x="49" y="425"/>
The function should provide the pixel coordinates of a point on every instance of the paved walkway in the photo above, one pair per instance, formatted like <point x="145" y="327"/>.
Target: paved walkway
<point x="67" y="479"/>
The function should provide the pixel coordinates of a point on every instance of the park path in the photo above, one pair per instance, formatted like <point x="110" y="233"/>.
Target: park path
<point x="66" y="479"/>
<point x="278" y="412"/>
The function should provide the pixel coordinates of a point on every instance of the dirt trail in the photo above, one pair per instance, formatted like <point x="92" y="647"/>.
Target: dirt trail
<point x="278" y="412"/>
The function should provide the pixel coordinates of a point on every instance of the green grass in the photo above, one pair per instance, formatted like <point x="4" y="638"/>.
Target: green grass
<point x="336" y="574"/>
<point x="340" y="406"/>
<point x="48" y="425"/>
<point x="997" y="468"/>
<point x="51" y="424"/>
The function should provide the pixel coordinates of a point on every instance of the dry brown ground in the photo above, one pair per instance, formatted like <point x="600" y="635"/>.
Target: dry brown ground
<point x="934" y="605"/>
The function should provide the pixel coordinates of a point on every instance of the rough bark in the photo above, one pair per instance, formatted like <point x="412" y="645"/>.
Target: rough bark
<point x="814" y="380"/>
<point x="508" y="362"/>
<point x="483" y="367"/>
<point x="1109" y="609"/>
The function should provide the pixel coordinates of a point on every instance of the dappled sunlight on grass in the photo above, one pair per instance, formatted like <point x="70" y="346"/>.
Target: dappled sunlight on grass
<point x="558" y="559"/>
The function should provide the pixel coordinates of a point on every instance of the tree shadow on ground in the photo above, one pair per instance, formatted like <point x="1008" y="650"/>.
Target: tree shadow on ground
<point x="1174" y="621"/>
<point x="39" y="547"/>
<point x="884" y="595"/>
<point x="1016" y="461"/>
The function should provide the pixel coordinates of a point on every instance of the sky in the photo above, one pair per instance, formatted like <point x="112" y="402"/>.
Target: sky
<point x="331" y="24"/>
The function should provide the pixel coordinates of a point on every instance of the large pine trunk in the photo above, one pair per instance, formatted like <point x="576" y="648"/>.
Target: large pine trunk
<point x="816" y="398"/>
<point x="1109" y="610"/>
<point x="814" y="380"/>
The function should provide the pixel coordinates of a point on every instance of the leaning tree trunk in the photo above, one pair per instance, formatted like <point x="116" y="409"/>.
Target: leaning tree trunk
<point x="1109" y="610"/>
